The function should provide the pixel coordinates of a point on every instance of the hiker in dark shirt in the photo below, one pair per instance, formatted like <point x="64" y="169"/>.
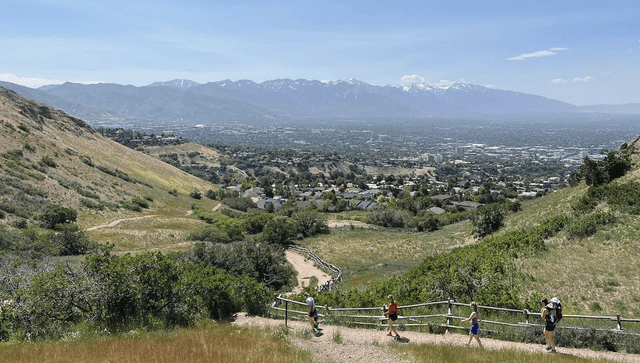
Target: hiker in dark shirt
<point x="548" y="314"/>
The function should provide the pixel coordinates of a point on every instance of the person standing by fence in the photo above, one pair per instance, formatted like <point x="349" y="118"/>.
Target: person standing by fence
<point x="475" y="319"/>
<point x="312" y="312"/>
<point x="392" y="315"/>
<point x="548" y="315"/>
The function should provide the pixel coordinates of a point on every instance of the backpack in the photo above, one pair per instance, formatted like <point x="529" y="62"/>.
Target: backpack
<point x="558" y="308"/>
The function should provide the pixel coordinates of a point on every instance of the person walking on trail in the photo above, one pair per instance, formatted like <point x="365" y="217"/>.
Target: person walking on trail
<point x="548" y="315"/>
<point x="474" y="318"/>
<point x="312" y="312"/>
<point x="392" y="314"/>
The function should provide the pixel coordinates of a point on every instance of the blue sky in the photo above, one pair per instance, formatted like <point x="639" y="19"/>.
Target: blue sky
<point x="581" y="52"/>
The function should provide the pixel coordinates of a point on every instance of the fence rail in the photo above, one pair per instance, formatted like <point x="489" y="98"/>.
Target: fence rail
<point x="351" y="316"/>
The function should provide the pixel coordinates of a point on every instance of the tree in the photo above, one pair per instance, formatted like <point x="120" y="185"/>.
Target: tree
<point x="56" y="214"/>
<point x="487" y="219"/>
<point x="280" y="230"/>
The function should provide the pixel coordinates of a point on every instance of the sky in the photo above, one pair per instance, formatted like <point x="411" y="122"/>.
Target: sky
<point x="580" y="52"/>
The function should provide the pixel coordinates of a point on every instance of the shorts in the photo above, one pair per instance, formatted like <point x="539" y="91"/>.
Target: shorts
<point x="313" y="313"/>
<point x="393" y="316"/>
<point x="549" y="327"/>
<point x="474" y="329"/>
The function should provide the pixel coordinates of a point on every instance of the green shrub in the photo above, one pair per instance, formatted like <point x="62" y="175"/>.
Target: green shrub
<point x="588" y="225"/>
<point x="195" y="194"/>
<point x="209" y="234"/>
<point x="131" y="206"/>
<point x="143" y="203"/>
<point x="28" y="147"/>
<point x="48" y="161"/>
<point x="88" y="203"/>
<point x="56" y="215"/>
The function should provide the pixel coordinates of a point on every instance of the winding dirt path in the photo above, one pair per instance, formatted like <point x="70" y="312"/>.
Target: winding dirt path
<point x="305" y="269"/>
<point x="368" y="345"/>
<point x="118" y="221"/>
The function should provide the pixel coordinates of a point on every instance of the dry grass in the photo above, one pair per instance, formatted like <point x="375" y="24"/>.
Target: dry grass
<point x="209" y="343"/>
<point x="372" y="254"/>
<point x="597" y="275"/>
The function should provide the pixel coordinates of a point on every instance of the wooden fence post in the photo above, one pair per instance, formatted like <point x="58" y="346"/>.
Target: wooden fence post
<point x="526" y="316"/>
<point x="619" y="324"/>
<point x="449" y="313"/>
<point x="286" y="312"/>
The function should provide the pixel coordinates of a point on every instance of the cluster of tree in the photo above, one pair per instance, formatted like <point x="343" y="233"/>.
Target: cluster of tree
<point x="119" y="293"/>
<point x="596" y="173"/>
<point x="280" y="228"/>
<point x="61" y="236"/>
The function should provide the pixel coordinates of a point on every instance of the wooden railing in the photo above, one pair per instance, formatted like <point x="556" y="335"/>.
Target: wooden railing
<point x="371" y="316"/>
<point x="336" y="274"/>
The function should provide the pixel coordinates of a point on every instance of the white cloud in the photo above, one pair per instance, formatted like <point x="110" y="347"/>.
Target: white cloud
<point x="412" y="78"/>
<point x="538" y="54"/>
<point x="558" y="80"/>
<point x="583" y="79"/>
<point x="35" y="82"/>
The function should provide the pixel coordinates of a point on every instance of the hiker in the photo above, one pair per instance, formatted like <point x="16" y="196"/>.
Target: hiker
<point x="312" y="312"/>
<point x="392" y="314"/>
<point x="474" y="318"/>
<point x="548" y="314"/>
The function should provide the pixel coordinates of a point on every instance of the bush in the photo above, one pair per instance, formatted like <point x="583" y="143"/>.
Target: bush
<point x="56" y="215"/>
<point x="143" y="203"/>
<point x="195" y="194"/>
<point x="131" y="206"/>
<point x="48" y="161"/>
<point x="387" y="217"/>
<point x="209" y="234"/>
<point x="487" y="219"/>
<point x="587" y="226"/>
<point x="88" y="203"/>
<point x="70" y="240"/>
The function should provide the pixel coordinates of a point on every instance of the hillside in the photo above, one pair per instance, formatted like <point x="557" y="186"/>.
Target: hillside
<point x="49" y="157"/>
<point x="597" y="274"/>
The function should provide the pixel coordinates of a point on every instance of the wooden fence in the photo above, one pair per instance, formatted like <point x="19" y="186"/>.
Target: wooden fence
<point x="372" y="316"/>
<point x="336" y="274"/>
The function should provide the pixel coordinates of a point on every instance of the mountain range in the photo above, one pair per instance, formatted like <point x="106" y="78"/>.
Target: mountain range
<point x="189" y="102"/>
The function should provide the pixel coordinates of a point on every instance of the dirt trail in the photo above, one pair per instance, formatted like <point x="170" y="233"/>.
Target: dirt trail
<point x="358" y="345"/>
<point x="118" y="221"/>
<point x="306" y="269"/>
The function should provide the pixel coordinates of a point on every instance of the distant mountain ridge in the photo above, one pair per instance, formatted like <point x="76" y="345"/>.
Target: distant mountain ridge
<point x="285" y="99"/>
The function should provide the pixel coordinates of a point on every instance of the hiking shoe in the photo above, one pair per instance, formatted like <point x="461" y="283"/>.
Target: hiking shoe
<point x="548" y="347"/>
<point x="552" y="350"/>
<point x="389" y="335"/>
<point x="315" y="326"/>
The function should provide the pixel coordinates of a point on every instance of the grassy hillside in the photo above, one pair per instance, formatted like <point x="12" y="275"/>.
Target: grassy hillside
<point x="65" y="162"/>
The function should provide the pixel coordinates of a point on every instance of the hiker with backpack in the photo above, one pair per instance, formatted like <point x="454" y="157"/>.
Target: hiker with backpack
<point x="474" y="318"/>
<point x="551" y="313"/>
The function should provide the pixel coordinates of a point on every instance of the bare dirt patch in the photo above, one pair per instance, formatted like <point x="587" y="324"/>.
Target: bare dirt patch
<point x="306" y="269"/>
<point x="116" y="222"/>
